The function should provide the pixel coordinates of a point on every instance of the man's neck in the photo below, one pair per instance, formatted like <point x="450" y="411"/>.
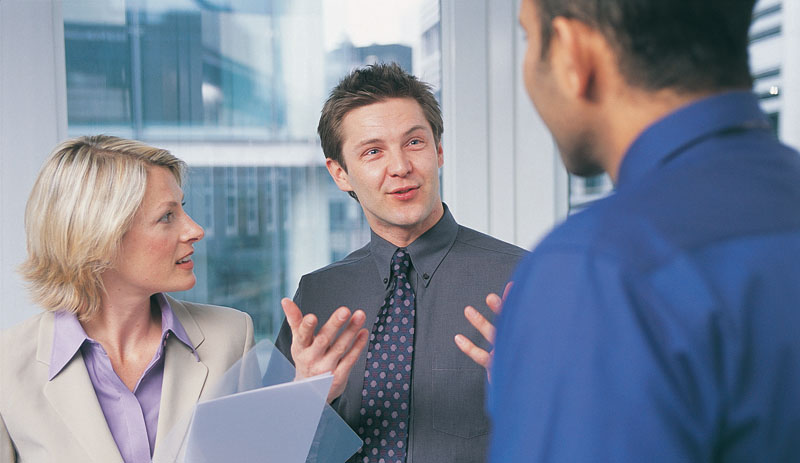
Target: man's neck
<point x="123" y="323"/>
<point x="403" y="236"/>
<point x="632" y="114"/>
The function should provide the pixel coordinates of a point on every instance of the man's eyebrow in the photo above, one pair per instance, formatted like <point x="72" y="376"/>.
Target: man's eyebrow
<point x="368" y="142"/>
<point x="414" y="129"/>
<point x="378" y="140"/>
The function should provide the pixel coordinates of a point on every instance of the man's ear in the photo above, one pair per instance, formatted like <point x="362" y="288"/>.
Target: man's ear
<point x="338" y="174"/>
<point x="440" y="154"/>
<point x="574" y="58"/>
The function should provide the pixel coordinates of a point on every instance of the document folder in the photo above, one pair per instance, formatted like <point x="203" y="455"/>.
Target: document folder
<point x="271" y="424"/>
<point x="257" y="413"/>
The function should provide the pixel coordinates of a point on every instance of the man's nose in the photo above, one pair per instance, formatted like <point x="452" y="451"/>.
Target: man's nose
<point x="399" y="163"/>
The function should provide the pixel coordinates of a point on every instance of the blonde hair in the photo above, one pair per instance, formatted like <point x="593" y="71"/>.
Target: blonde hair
<point x="81" y="205"/>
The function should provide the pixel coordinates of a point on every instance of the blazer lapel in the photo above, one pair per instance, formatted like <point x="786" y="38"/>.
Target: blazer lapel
<point x="184" y="380"/>
<point x="72" y="395"/>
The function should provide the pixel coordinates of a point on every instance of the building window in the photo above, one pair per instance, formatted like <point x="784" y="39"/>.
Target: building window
<point x="231" y="202"/>
<point x="766" y="12"/>
<point x="251" y="192"/>
<point x="235" y="89"/>
<point x="765" y="34"/>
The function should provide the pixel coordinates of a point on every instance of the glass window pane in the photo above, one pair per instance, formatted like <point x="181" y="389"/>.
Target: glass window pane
<point x="235" y="87"/>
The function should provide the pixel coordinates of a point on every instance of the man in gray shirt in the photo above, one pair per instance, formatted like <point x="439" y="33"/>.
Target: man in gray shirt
<point x="411" y="395"/>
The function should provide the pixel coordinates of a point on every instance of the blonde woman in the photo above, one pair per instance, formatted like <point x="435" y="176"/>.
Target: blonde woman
<point x="112" y="364"/>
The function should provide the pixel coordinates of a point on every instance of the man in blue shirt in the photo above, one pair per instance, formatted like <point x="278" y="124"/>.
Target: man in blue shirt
<point x="660" y="324"/>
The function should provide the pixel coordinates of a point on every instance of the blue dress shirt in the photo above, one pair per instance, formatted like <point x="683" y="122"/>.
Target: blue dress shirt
<point x="663" y="322"/>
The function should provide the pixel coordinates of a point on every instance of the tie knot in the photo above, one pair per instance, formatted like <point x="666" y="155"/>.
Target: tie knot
<point x="401" y="263"/>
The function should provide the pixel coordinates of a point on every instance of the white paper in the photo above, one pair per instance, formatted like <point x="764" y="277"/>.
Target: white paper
<point x="270" y="424"/>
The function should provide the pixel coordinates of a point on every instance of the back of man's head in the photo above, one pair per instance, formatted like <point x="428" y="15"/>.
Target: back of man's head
<point x="368" y="85"/>
<point x="684" y="45"/>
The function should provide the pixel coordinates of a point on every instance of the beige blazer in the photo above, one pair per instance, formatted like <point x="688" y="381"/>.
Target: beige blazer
<point x="61" y="420"/>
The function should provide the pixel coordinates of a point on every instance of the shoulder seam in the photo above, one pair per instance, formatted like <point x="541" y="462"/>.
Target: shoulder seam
<point x="337" y="264"/>
<point x="520" y="253"/>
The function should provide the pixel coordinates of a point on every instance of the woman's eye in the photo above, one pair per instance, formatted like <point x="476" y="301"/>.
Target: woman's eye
<point x="166" y="218"/>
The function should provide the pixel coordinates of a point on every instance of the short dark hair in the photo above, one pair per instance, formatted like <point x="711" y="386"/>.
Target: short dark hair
<point x="686" y="45"/>
<point x="368" y="85"/>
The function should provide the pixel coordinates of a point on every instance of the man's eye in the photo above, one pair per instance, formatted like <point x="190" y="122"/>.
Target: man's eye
<point x="373" y="151"/>
<point x="415" y="141"/>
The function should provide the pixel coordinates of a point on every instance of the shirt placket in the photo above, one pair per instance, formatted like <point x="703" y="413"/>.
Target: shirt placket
<point x="136" y="446"/>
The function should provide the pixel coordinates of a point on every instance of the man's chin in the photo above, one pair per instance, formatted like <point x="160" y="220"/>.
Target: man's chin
<point x="585" y="170"/>
<point x="581" y="160"/>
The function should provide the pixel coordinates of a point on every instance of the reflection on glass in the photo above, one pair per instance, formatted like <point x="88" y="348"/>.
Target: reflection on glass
<point x="274" y="219"/>
<point x="234" y="87"/>
<point x="199" y="70"/>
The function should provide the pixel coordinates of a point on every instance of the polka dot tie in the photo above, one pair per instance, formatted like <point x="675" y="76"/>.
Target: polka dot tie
<point x="385" y="399"/>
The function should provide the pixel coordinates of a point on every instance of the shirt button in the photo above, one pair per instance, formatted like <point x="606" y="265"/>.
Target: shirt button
<point x="385" y="280"/>
<point x="425" y="276"/>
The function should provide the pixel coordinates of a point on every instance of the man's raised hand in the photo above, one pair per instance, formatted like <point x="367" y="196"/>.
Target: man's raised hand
<point x="485" y="327"/>
<point x="326" y="352"/>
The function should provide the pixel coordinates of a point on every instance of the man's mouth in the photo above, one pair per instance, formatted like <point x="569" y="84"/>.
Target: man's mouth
<point x="401" y="191"/>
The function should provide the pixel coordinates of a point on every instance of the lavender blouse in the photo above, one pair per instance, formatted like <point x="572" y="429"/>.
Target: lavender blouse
<point x="132" y="417"/>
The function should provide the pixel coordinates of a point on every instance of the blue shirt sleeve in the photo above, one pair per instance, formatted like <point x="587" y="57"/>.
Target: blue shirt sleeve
<point x="586" y="370"/>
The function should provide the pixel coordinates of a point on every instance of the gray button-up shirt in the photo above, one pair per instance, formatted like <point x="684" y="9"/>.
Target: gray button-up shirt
<point x="453" y="266"/>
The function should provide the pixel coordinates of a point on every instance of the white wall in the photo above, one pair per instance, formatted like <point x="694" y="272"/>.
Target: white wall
<point x="33" y="118"/>
<point x="779" y="51"/>
<point x="501" y="170"/>
<point x="790" y="90"/>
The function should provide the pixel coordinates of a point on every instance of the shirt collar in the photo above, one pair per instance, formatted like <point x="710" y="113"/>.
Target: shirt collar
<point x="69" y="335"/>
<point x="426" y="252"/>
<point x="171" y="324"/>
<point x="674" y="133"/>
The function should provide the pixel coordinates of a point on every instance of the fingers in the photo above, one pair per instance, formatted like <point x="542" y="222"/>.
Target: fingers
<point x="292" y="312"/>
<point x="302" y="327"/>
<point x="315" y="354"/>
<point x="342" y="370"/>
<point x="478" y="355"/>
<point x="480" y="323"/>
<point x="347" y="362"/>
<point x="494" y="302"/>
<point x="304" y="336"/>
<point x="328" y="331"/>
<point x="340" y="347"/>
<point x="507" y="289"/>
